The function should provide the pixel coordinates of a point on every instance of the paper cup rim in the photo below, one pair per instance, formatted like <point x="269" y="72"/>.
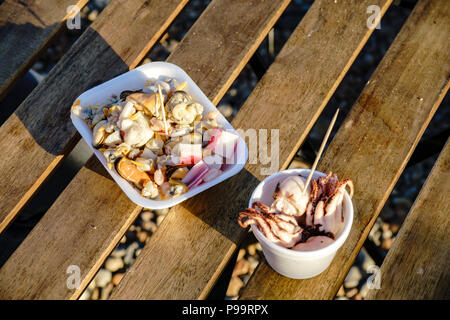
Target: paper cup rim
<point x="329" y="249"/>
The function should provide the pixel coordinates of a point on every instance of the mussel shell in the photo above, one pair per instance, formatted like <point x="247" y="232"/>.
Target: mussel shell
<point x="126" y="93"/>
<point x="137" y="177"/>
<point x="178" y="97"/>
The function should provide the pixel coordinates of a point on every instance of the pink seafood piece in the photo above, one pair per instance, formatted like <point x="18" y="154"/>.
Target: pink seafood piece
<point x="214" y="161"/>
<point x="223" y="143"/>
<point x="199" y="170"/>
<point x="190" y="153"/>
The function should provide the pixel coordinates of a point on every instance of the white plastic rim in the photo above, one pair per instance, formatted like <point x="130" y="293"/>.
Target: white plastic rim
<point x="292" y="263"/>
<point x="134" y="80"/>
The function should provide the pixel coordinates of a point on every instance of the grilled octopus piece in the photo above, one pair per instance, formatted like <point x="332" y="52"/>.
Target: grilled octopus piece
<point x="279" y="228"/>
<point x="325" y="208"/>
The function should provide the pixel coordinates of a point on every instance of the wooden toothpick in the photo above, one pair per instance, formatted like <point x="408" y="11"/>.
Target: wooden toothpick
<point x="163" y="109"/>
<point x="324" y="142"/>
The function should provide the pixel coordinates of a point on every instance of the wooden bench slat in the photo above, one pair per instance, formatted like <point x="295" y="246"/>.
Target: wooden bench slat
<point x="416" y="266"/>
<point x="26" y="28"/>
<point x="39" y="134"/>
<point x="376" y="140"/>
<point x="92" y="214"/>
<point x="194" y="242"/>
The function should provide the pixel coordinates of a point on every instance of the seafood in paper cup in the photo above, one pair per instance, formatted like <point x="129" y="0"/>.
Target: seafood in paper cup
<point x="158" y="135"/>
<point x="300" y="228"/>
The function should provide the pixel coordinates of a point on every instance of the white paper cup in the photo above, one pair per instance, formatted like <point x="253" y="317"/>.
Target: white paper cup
<point x="291" y="263"/>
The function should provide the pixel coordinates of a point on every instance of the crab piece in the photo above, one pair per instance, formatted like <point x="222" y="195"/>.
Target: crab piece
<point x="196" y="173"/>
<point x="130" y="172"/>
<point x="214" y="161"/>
<point x="279" y="228"/>
<point x="221" y="142"/>
<point x="212" y="174"/>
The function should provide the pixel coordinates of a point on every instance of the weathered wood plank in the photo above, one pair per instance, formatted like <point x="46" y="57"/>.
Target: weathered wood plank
<point x="39" y="134"/>
<point x="376" y="140"/>
<point x="26" y="28"/>
<point x="196" y="239"/>
<point x="416" y="266"/>
<point x="93" y="200"/>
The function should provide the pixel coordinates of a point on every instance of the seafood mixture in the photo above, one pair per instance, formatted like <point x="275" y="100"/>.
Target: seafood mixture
<point x="301" y="220"/>
<point x="158" y="139"/>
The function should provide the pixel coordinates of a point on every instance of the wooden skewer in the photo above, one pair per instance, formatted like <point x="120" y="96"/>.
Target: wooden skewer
<point x="163" y="109"/>
<point x="319" y="154"/>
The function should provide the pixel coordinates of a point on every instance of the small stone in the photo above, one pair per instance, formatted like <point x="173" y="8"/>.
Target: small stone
<point x="241" y="254"/>
<point x="86" y="295"/>
<point x="114" y="264"/>
<point x="386" y="244"/>
<point x="242" y="267"/>
<point x="352" y="292"/>
<point x="253" y="263"/>
<point x="251" y="249"/>
<point x="147" y="216"/>
<point x="235" y="285"/>
<point x="368" y="261"/>
<point x="129" y="256"/>
<point x="91" y="285"/>
<point x="341" y="298"/>
<point x="395" y="227"/>
<point x="117" y="277"/>
<point x="357" y="297"/>
<point x="364" y="290"/>
<point x="159" y="220"/>
<point x="385" y="227"/>
<point x="226" y="110"/>
<point x="138" y="251"/>
<point x="118" y="253"/>
<point x="341" y="292"/>
<point x="258" y="246"/>
<point x="106" y="292"/>
<point x="93" y="15"/>
<point x="123" y="240"/>
<point x="103" y="277"/>
<point x="142" y="236"/>
<point x="387" y="234"/>
<point x="162" y="212"/>
<point x="95" y="294"/>
<point x="149" y="226"/>
<point x="353" y="277"/>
